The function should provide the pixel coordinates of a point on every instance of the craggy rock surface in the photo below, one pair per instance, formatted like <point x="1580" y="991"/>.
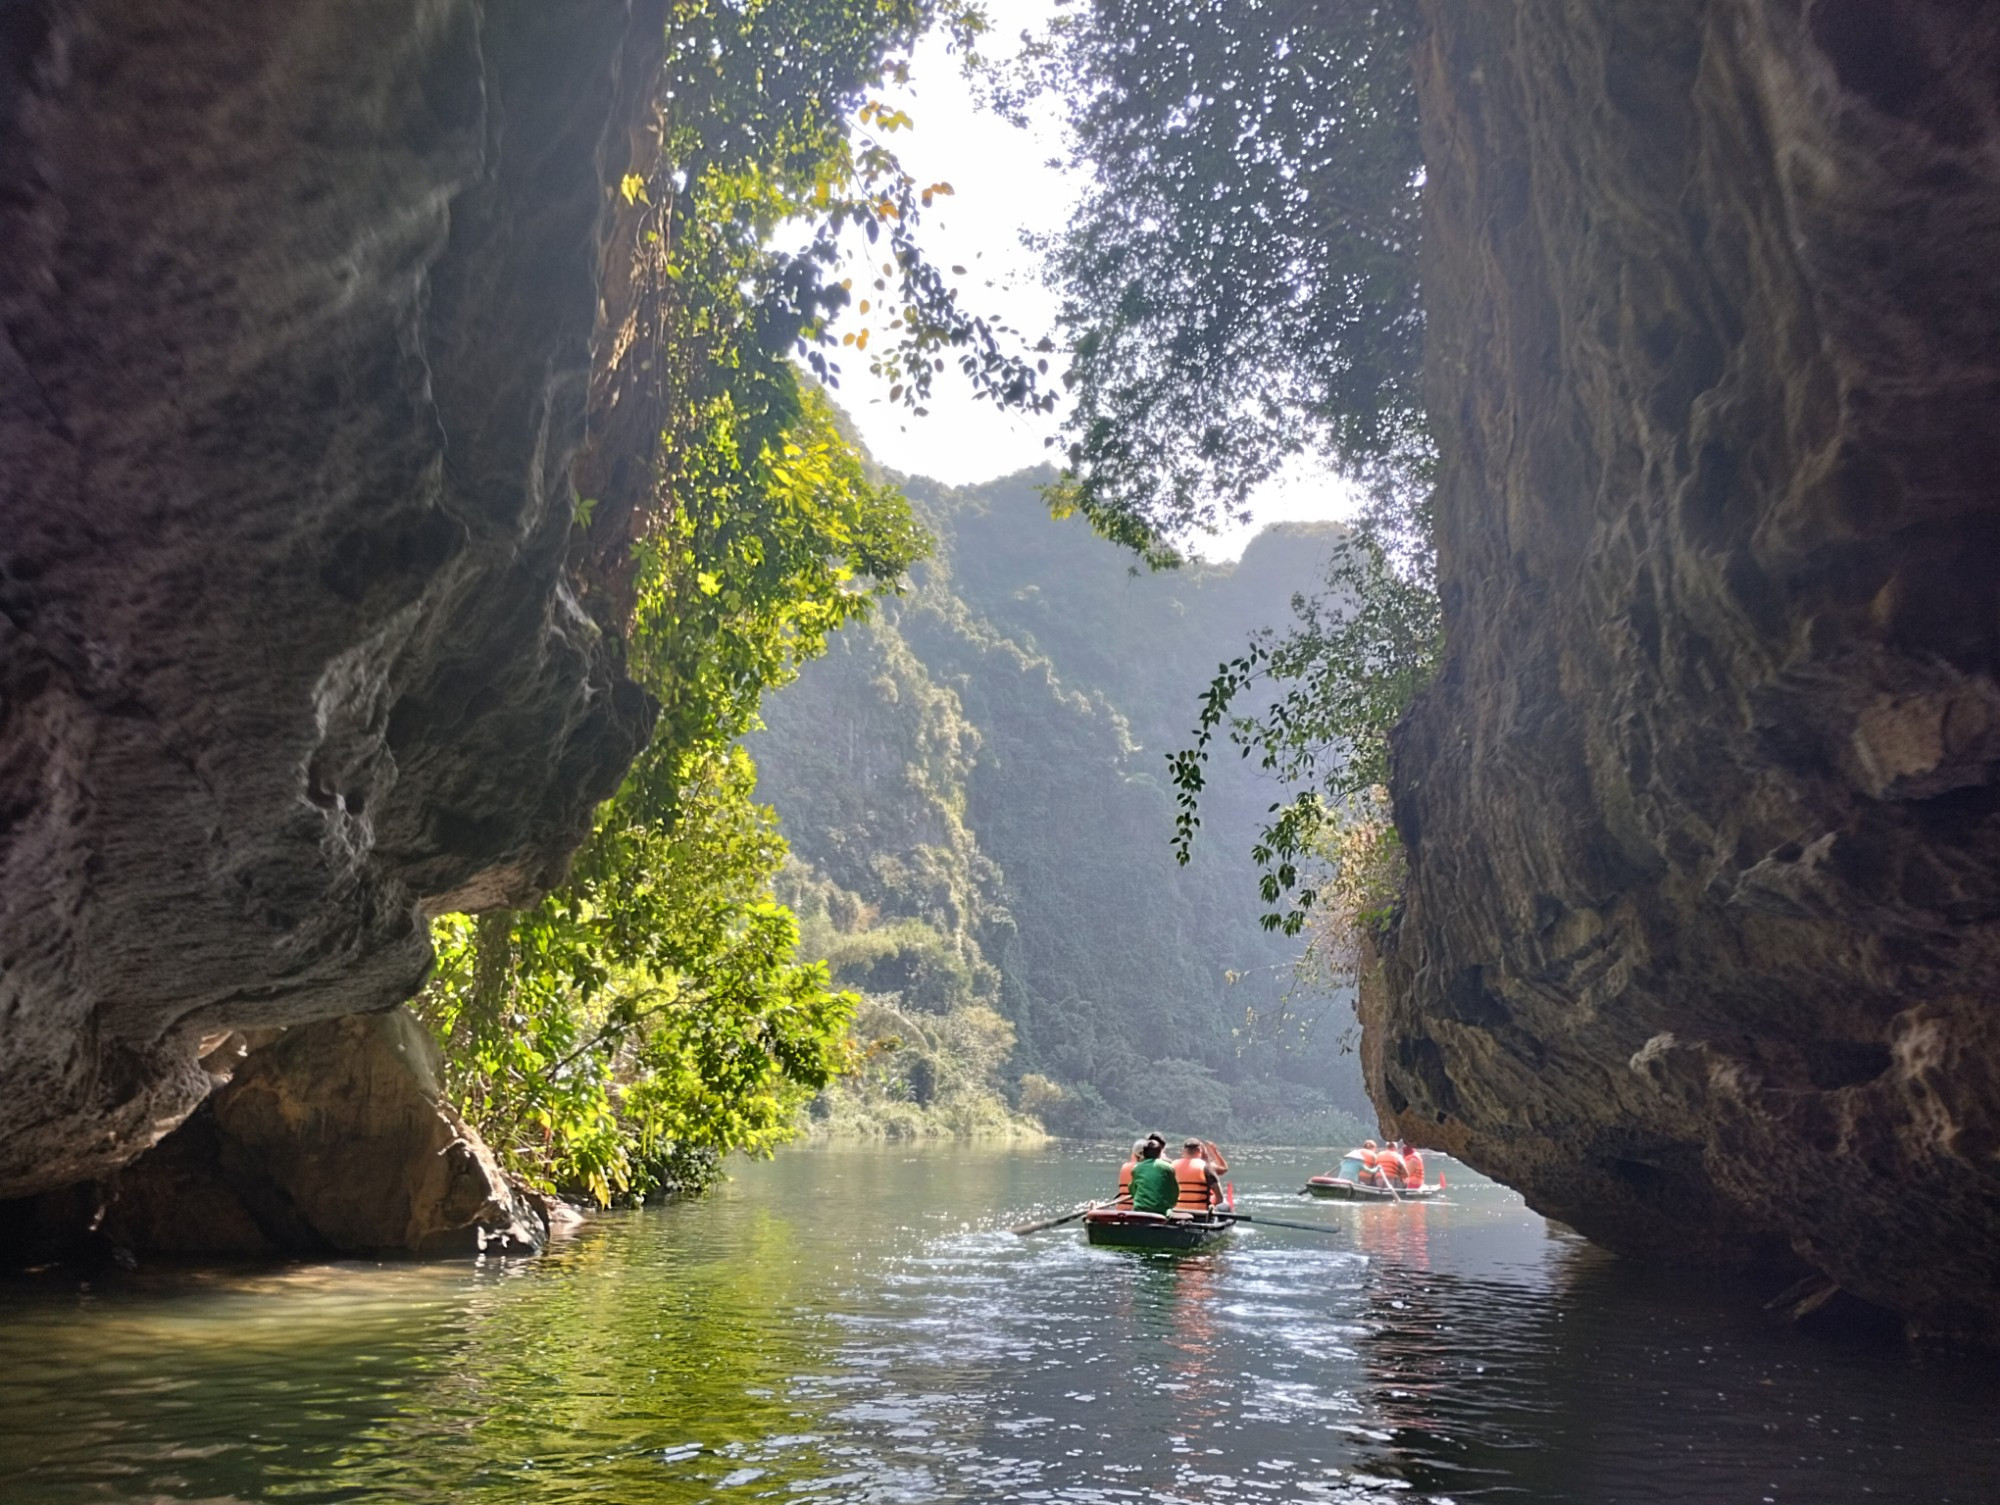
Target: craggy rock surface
<point x="330" y="1139"/>
<point x="1702" y="948"/>
<point x="296" y="319"/>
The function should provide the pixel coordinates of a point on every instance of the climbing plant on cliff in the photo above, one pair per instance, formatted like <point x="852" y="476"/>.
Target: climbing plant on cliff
<point x="1238" y="288"/>
<point x="652" y="1014"/>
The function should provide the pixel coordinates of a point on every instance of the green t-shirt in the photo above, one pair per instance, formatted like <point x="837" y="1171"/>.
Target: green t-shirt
<point x="1154" y="1188"/>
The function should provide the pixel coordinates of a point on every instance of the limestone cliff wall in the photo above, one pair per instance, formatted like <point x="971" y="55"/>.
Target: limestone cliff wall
<point x="298" y="305"/>
<point x="1702" y="944"/>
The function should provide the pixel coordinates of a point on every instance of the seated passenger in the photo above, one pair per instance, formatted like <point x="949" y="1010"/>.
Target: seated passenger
<point x="1154" y="1188"/>
<point x="1413" y="1168"/>
<point x="1124" y="1198"/>
<point x="1369" y="1176"/>
<point x="1200" y="1187"/>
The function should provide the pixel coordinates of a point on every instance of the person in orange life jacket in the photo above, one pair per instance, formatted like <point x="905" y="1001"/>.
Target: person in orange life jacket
<point x="1154" y="1186"/>
<point x="1369" y="1175"/>
<point x="1413" y="1167"/>
<point x="1389" y="1165"/>
<point x="1201" y="1188"/>
<point x="1125" y="1170"/>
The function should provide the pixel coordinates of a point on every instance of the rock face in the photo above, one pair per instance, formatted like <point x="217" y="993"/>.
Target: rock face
<point x="1703" y="930"/>
<point x="297" y="314"/>
<point x="330" y="1139"/>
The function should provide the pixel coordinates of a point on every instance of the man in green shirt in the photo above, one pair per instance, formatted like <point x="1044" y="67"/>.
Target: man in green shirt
<point x="1154" y="1188"/>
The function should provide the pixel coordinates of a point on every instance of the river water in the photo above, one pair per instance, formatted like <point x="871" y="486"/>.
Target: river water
<point x="856" y="1325"/>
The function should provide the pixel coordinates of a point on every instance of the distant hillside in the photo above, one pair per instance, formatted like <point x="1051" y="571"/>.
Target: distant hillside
<point x="975" y="789"/>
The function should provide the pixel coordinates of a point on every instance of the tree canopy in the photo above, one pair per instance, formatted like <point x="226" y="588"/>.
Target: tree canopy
<point x="1240" y="283"/>
<point x="1240" y="287"/>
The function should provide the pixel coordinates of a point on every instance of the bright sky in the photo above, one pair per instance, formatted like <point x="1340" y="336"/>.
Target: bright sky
<point x="1006" y="182"/>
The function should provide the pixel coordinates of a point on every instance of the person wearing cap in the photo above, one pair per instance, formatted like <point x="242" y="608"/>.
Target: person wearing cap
<point x="1152" y="1184"/>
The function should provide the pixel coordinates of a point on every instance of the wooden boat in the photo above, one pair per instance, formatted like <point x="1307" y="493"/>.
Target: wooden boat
<point x="1122" y="1228"/>
<point x="1345" y="1185"/>
<point x="1340" y="1189"/>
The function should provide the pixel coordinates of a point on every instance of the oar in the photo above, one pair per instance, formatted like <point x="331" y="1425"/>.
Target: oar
<point x="1244" y="1217"/>
<point x="1069" y="1217"/>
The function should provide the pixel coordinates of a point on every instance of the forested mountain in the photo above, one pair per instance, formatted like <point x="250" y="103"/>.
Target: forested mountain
<point x="974" y="788"/>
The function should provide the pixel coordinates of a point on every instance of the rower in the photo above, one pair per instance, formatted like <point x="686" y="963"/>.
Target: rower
<point x="1413" y="1167"/>
<point x="1200" y="1187"/>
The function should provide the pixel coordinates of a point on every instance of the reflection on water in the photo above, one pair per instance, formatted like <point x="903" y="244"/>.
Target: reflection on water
<point x="853" y="1326"/>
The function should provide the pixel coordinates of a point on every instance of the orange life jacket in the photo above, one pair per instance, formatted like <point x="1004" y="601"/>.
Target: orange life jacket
<point x="1191" y="1171"/>
<point x="1413" y="1169"/>
<point x="1390" y="1165"/>
<point x="1125" y="1183"/>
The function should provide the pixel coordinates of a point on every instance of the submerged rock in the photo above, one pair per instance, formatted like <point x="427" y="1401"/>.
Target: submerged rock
<point x="297" y="315"/>
<point x="1703" y="813"/>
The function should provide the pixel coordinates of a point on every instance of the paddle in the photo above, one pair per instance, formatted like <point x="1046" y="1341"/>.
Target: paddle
<point x="1244" y="1217"/>
<point x="1069" y="1217"/>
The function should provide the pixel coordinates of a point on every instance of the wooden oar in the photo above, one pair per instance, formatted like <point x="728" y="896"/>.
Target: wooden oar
<point x="1069" y="1217"/>
<point x="1244" y="1217"/>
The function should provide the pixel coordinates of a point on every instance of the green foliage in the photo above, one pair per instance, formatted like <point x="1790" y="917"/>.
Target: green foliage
<point x="1357" y="654"/>
<point x="771" y="118"/>
<point x="621" y="1035"/>
<point x="1239" y="284"/>
<point x="929" y="1047"/>
<point x="651" y="1013"/>
<point x="1241" y="287"/>
<point x="924" y="1076"/>
<point x="979" y="757"/>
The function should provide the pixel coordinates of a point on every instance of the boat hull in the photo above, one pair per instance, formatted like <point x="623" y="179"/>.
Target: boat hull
<point x="1335" y="1189"/>
<point x="1152" y="1231"/>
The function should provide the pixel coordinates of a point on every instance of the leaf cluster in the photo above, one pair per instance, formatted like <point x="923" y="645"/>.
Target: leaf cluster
<point x="1354" y="658"/>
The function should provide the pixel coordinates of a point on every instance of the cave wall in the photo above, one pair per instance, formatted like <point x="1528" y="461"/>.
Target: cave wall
<point x="1701" y="949"/>
<point x="297" y="316"/>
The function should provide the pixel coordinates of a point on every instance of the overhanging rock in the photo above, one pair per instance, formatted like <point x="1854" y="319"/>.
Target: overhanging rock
<point x="296" y="345"/>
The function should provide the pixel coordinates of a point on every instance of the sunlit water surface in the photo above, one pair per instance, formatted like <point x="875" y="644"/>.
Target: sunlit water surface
<point x="857" y="1325"/>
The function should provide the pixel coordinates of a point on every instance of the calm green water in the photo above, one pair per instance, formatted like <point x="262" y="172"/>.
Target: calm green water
<point x="849" y="1326"/>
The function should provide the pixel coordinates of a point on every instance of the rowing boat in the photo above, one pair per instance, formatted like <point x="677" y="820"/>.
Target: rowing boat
<point x="1346" y="1185"/>
<point x="1340" y="1189"/>
<point x="1122" y="1228"/>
